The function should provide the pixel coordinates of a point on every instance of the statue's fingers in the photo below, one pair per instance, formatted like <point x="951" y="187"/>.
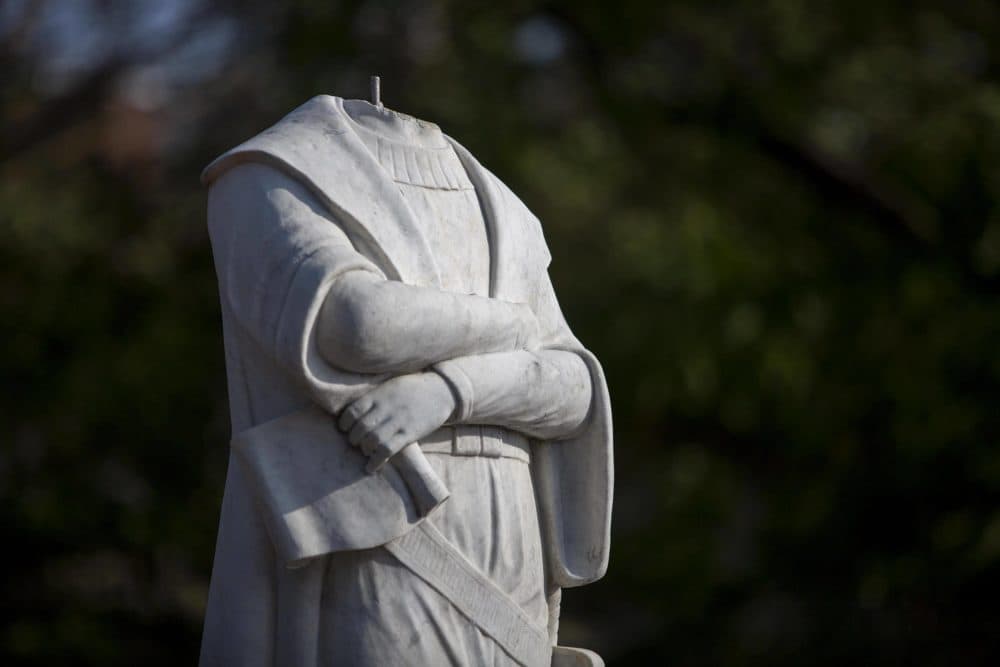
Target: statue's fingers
<point x="353" y="412"/>
<point x="388" y="446"/>
<point x="369" y="443"/>
<point x="365" y="426"/>
<point x="377" y="456"/>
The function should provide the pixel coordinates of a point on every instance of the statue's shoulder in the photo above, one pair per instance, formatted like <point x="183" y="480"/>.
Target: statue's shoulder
<point x="318" y="121"/>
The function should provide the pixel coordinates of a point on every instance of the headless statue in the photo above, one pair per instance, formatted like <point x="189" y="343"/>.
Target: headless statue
<point x="422" y="449"/>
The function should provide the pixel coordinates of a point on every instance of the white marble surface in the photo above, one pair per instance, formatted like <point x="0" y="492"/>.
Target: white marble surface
<point x="380" y="288"/>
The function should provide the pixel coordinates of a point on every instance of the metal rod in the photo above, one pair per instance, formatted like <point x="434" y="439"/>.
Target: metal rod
<point x="376" y="91"/>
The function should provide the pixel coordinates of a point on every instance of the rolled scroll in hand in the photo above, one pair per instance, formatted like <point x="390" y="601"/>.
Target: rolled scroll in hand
<point x="425" y="485"/>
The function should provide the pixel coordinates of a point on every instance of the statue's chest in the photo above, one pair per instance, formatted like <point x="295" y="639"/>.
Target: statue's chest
<point x="452" y="222"/>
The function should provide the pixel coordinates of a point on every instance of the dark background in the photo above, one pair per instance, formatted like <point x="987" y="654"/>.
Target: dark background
<point x="775" y="222"/>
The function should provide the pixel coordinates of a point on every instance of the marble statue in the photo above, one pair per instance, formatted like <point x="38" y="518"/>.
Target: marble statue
<point x="422" y="451"/>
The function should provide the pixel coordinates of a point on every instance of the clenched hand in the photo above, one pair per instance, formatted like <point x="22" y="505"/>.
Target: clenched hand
<point x="394" y="414"/>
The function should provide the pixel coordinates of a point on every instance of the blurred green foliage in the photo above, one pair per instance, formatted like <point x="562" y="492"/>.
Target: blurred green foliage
<point x="774" y="222"/>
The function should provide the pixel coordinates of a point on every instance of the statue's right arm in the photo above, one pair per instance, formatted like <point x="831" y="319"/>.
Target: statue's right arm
<point x="372" y="325"/>
<point x="273" y="240"/>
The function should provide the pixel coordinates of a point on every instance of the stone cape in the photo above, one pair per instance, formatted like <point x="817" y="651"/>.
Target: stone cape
<point x="573" y="478"/>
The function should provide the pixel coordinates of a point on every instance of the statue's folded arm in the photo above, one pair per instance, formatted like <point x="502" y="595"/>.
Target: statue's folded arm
<point x="544" y="394"/>
<point x="372" y="325"/>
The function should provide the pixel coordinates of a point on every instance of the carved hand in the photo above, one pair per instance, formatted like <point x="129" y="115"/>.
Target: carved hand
<point x="394" y="414"/>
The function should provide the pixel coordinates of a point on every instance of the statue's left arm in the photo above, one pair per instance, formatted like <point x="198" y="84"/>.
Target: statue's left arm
<point x="544" y="393"/>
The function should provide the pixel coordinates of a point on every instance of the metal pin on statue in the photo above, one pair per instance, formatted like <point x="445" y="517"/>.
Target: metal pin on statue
<point x="376" y="83"/>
